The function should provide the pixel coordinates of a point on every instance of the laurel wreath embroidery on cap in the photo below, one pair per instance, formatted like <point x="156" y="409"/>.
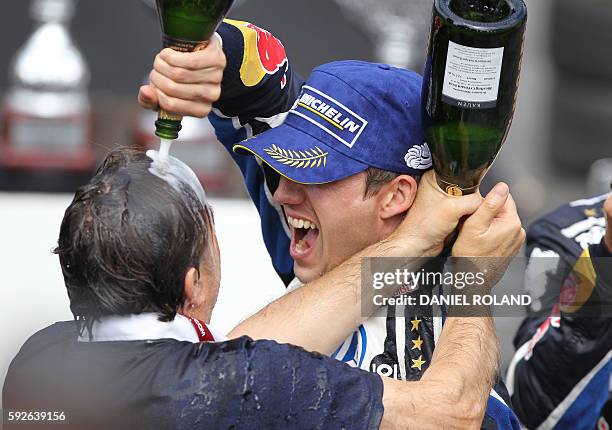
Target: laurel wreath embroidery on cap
<point x="312" y="158"/>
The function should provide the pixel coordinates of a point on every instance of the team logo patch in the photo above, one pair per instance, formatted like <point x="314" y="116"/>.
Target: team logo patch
<point x="263" y="54"/>
<point x="329" y="115"/>
<point x="418" y="157"/>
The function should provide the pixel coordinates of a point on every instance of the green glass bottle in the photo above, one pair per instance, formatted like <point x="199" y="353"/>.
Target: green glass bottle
<point x="470" y="86"/>
<point x="186" y="25"/>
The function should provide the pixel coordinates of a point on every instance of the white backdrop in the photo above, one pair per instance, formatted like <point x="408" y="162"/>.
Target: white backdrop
<point x="32" y="293"/>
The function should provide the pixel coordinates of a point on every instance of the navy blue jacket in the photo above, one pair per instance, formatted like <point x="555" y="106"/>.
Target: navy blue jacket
<point x="168" y="384"/>
<point x="560" y="374"/>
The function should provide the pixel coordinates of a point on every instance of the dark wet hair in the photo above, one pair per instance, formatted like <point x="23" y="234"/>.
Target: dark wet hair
<point x="127" y="241"/>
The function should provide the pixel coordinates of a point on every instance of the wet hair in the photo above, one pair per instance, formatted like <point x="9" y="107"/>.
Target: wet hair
<point x="127" y="240"/>
<point x="376" y="178"/>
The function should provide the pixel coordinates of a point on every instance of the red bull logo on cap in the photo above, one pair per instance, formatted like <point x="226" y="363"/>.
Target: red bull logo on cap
<point x="264" y="54"/>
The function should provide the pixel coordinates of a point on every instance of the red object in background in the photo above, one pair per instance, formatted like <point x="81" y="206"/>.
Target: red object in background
<point x="39" y="143"/>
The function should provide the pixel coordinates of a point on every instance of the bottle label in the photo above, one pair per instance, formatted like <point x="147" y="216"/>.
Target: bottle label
<point x="471" y="79"/>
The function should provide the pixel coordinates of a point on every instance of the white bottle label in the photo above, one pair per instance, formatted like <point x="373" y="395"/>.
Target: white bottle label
<point x="472" y="75"/>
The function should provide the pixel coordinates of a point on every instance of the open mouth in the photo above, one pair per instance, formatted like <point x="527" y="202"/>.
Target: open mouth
<point x="305" y="233"/>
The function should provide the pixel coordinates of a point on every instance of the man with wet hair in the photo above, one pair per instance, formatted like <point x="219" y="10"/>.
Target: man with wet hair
<point x="146" y="276"/>
<point x="141" y="266"/>
<point x="333" y="165"/>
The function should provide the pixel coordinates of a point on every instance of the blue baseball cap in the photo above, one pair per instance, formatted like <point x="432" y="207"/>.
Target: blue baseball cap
<point x="349" y="116"/>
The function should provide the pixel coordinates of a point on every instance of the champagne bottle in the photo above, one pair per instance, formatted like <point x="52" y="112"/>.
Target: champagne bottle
<point x="186" y="25"/>
<point x="470" y="86"/>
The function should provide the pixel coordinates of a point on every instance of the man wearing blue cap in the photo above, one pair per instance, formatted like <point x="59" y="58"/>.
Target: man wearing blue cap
<point x="349" y="151"/>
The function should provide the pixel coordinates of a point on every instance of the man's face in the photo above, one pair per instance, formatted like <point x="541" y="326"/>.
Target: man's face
<point x="329" y="223"/>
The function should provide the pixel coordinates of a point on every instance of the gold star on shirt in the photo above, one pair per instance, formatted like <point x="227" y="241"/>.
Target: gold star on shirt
<point x="417" y="343"/>
<point x="415" y="324"/>
<point x="590" y="212"/>
<point x="416" y="364"/>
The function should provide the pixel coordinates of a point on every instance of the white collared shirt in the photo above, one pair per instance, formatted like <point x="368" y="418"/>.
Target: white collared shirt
<point x="146" y="326"/>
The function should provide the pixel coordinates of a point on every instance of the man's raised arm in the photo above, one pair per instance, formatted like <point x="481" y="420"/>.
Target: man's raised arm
<point x="243" y="82"/>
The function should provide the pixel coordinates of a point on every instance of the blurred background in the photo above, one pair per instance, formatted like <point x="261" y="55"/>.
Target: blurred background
<point x="69" y="77"/>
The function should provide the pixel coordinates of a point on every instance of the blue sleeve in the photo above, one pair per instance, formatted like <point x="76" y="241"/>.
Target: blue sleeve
<point x="267" y="385"/>
<point x="499" y="416"/>
<point x="258" y="89"/>
<point x="560" y="374"/>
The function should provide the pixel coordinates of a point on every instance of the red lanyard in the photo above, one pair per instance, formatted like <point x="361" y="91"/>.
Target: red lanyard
<point x="204" y="333"/>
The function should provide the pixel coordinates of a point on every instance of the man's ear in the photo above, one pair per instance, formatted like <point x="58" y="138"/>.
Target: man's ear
<point x="192" y="290"/>
<point x="397" y="196"/>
